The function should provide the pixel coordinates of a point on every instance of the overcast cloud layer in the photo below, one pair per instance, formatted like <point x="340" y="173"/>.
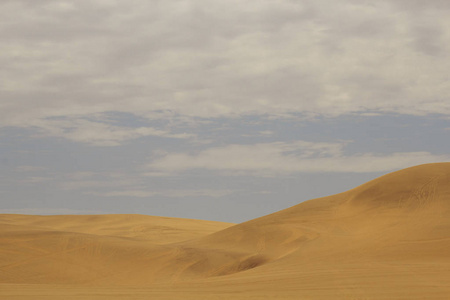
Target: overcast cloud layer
<point x="215" y="103"/>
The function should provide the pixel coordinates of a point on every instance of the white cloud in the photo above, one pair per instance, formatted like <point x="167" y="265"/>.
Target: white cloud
<point x="271" y="159"/>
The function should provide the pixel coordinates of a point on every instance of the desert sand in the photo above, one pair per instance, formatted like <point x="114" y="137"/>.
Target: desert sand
<point x="386" y="239"/>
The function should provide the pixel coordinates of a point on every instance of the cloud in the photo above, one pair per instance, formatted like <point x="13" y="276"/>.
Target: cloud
<point x="419" y="6"/>
<point x="36" y="179"/>
<point x="279" y="158"/>
<point x="29" y="169"/>
<point x="48" y="211"/>
<point x="222" y="59"/>
<point x="98" y="133"/>
<point x="86" y="181"/>
<point x="167" y="193"/>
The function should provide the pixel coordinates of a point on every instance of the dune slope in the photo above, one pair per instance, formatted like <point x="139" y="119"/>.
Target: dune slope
<point x="386" y="239"/>
<point x="104" y="249"/>
<point x="157" y="230"/>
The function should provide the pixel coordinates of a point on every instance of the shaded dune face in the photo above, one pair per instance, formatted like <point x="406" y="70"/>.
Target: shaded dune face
<point x="402" y="216"/>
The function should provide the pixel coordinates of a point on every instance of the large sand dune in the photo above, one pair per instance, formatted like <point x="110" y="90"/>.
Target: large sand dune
<point x="386" y="239"/>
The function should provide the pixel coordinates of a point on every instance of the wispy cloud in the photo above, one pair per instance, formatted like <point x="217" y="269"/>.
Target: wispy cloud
<point x="88" y="181"/>
<point x="29" y="169"/>
<point x="166" y="193"/>
<point x="37" y="179"/>
<point x="99" y="133"/>
<point x="271" y="159"/>
<point x="48" y="211"/>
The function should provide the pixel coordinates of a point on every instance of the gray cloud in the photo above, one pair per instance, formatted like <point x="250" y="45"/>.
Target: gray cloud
<point x="428" y="40"/>
<point x="419" y="5"/>
<point x="273" y="159"/>
<point x="100" y="133"/>
<point x="169" y="103"/>
<point x="203" y="59"/>
<point x="168" y="193"/>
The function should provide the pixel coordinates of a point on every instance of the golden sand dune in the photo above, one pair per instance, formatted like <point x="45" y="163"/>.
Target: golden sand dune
<point x="157" y="230"/>
<point x="100" y="249"/>
<point x="386" y="239"/>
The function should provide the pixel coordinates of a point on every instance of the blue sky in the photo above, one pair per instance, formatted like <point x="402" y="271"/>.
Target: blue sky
<point x="220" y="110"/>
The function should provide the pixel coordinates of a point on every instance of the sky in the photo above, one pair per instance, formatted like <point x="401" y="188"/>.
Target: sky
<point x="222" y="110"/>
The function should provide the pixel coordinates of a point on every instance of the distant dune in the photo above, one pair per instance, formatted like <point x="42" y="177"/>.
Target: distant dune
<point x="386" y="239"/>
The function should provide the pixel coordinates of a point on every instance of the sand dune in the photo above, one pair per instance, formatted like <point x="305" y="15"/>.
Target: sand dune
<point x="157" y="230"/>
<point x="386" y="239"/>
<point x="100" y="249"/>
